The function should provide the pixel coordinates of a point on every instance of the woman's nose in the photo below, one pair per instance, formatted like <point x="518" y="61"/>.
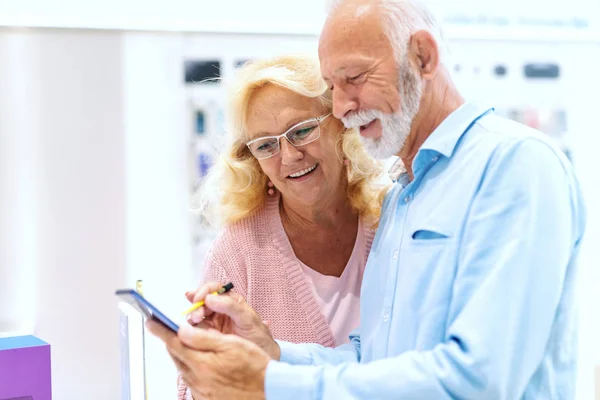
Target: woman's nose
<point x="289" y="153"/>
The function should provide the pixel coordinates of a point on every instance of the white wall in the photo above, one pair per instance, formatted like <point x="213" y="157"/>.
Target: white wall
<point x="157" y="143"/>
<point x="586" y="141"/>
<point x="79" y="109"/>
<point x="18" y="191"/>
<point x="62" y="98"/>
<point x="95" y="195"/>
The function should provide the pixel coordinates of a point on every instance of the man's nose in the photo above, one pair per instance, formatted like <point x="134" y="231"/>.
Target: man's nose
<point x="343" y="103"/>
<point x="289" y="153"/>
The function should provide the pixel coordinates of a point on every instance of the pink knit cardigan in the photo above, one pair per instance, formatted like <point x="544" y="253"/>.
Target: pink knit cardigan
<point x="256" y="255"/>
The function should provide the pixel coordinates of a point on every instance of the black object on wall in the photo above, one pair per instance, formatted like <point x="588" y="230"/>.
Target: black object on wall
<point x="541" y="70"/>
<point x="202" y="71"/>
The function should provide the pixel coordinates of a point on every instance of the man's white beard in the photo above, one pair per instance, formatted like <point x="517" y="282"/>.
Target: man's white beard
<point x="395" y="127"/>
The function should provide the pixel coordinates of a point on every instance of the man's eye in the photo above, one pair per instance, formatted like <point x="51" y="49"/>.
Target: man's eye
<point x="353" y="78"/>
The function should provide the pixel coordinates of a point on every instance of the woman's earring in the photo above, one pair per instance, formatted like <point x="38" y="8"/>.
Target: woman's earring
<point x="270" y="191"/>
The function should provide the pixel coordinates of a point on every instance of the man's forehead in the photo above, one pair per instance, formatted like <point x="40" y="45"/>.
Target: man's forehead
<point x="346" y="31"/>
<point x="355" y="51"/>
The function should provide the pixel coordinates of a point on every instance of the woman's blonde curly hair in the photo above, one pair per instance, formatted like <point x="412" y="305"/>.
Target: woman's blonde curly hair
<point x="236" y="186"/>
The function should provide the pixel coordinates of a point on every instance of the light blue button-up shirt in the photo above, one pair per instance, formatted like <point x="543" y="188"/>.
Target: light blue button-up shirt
<point x="469" y="288"/>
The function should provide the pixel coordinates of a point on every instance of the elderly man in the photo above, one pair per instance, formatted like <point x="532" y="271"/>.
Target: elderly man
<point x="469" y="288"/>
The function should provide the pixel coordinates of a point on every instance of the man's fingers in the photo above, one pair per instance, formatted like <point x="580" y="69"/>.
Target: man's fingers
<point x="159" y="330"/>
<point x="174" y="345"/>
<point x="205" y="324"/>
<point x="208" y="340"/>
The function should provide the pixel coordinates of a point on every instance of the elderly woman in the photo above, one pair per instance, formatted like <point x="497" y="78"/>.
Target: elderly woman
<point x="299" y="198"/>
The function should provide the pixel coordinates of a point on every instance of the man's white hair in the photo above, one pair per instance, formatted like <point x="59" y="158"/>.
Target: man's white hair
<point x="401" y="19"/>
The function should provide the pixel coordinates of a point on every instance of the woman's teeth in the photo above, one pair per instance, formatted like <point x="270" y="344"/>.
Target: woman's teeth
<point x="303" y="172"/>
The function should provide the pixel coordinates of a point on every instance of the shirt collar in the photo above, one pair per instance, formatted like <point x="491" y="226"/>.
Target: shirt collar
<point x="445" y="137"/>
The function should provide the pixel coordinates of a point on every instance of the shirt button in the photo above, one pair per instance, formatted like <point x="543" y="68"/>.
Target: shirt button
<point x="435" y="158"/>
<point x="386" y="317"/>
<point x="395" y="255"/>
<point x="407" y="199"/>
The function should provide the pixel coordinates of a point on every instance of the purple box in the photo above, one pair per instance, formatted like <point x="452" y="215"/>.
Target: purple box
<point x="25" y="369"/>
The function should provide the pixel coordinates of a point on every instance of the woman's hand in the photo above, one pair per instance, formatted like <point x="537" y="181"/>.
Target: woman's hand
<point x="230" y="314"/>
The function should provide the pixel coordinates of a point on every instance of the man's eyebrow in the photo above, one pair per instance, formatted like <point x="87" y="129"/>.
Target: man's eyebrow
<point x="342" y="71"/>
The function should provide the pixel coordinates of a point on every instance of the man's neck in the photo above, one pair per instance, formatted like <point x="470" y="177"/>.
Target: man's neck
<point x="439" y="101"/>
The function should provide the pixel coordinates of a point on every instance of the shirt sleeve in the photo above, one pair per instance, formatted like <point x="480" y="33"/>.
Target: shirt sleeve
<point x="523" y="225"/>
<point x="296" y="360"/>
<point x="314" y="354"/>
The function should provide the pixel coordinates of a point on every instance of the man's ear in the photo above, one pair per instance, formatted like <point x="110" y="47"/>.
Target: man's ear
<point x="424" y="53"/>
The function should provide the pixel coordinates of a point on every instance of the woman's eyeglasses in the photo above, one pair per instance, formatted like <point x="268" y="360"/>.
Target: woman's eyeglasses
<point x="298" y="135"/>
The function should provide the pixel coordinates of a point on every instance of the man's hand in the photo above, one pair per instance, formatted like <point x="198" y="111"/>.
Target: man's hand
<point x="229" y="313"/>
<point x="215" y="365"/>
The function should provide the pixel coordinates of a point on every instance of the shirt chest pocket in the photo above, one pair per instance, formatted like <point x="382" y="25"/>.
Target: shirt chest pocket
<point x="428" y="236"/>
<point x="426" y="265"/>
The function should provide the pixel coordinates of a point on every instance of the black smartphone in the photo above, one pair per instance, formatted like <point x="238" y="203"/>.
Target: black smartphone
<point x="138" y="301"/>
